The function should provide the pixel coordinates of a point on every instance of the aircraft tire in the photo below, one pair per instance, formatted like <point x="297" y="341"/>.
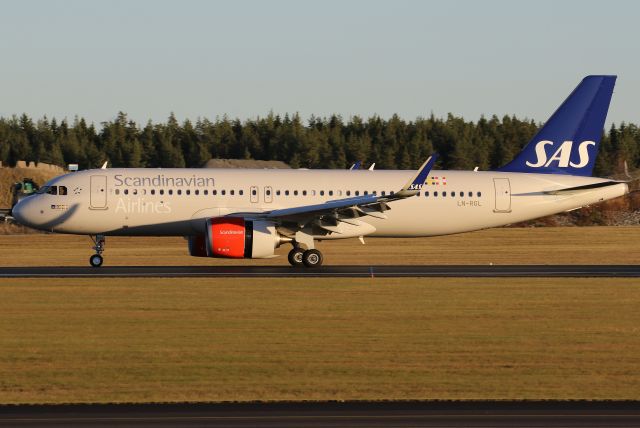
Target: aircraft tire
<point x="96" y="260"/>
<point x="295" y="257"/>
<point x="312" y="258"/>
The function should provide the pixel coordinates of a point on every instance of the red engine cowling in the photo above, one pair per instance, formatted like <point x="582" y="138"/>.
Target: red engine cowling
<point x="235" y="237"/>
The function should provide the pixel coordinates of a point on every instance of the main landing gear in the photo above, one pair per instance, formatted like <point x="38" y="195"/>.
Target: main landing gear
<point x="309" y="258"/>
<point x="96" y="260"/>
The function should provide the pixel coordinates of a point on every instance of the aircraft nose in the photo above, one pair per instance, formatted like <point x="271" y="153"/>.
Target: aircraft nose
<point x="20" y="212"/>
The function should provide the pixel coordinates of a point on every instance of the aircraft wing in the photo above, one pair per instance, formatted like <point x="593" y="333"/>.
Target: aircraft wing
<point x="342" y="210"/>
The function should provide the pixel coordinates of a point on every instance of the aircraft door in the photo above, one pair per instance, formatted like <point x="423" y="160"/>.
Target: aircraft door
<point x="254" y="194"/>
<point x="98" y="195"/>
<point x="268" y="194"/>
<point x="503" y="195"/>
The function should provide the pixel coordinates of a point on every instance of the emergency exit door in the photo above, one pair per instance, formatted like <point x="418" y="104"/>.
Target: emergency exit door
<point x="98" y="195"/>
<point x="503" y="195"/>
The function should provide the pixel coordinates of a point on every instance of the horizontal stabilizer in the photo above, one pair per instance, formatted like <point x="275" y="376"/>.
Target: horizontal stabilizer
<point x="585" y="188"/>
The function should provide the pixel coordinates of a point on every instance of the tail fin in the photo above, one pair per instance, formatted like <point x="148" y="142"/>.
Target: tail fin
<point x="568" y="142"/>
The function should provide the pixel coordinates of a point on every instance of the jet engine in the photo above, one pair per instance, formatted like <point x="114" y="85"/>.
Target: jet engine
<point x="236" y="237"/>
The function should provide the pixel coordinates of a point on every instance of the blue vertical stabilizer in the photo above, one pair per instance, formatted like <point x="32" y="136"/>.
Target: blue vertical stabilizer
<point x="568" y="142"/>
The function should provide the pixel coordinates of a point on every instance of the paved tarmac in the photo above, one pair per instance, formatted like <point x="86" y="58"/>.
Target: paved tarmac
<point x="331" y="414"/>
<point x="359" y="271"/>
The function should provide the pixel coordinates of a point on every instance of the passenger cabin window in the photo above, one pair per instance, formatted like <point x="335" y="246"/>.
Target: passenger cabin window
<point x="479" y="194"/>
<point x="240" y="192"/>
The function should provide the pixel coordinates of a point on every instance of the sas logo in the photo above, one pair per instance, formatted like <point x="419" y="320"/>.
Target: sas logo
<point x="562" y="155"/>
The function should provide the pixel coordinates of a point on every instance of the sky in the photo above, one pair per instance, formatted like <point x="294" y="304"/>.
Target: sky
<point x="148" y="58"/>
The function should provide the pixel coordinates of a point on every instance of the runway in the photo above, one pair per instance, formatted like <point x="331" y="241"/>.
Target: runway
<point x="331" y="414"/>
<point x="355" y="271"/>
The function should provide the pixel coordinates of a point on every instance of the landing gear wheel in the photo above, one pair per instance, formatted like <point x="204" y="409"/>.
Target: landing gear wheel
<point x="95" y="260"/>
<point x="295" y="257"/>
<point x="312" y="258"/>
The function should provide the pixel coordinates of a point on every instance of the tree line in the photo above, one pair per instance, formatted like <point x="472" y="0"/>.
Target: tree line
<point x="327" y="142"/>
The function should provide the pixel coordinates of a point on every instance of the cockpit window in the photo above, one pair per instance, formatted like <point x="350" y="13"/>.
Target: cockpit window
<point x="53" y="190"/>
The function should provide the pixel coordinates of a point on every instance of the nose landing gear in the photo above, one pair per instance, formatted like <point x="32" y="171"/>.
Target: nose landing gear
<point x="96" y="259"/>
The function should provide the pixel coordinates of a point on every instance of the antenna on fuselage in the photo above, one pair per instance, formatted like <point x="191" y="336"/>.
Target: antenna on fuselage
<point x="104" y="165"/>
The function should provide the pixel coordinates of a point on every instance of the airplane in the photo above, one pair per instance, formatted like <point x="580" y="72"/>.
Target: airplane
<point x="240" y="213"/>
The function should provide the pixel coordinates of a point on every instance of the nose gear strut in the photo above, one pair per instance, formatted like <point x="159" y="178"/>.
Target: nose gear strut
<point x="99" y="242"/>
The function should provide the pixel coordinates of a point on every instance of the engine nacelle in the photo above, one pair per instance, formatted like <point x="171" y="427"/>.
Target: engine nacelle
<point x="235" y="237"/>
<point x="197" y="246"/>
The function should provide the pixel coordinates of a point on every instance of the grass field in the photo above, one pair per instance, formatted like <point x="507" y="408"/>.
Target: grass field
<point x="202" y="339"/>
<point x="134" y="340"/>
<point x="553" y="245"/>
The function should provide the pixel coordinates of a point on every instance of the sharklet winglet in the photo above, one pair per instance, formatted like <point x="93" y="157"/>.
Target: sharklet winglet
<point x="414" y="185"/>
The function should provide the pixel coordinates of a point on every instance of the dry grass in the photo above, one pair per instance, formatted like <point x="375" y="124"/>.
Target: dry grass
<point x="83" y="340"/>
<point x="562" y="245"/>
<point x="204" y="339"/>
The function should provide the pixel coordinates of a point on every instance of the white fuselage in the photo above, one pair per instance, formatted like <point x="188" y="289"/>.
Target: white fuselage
<point x="178" y="201"/>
